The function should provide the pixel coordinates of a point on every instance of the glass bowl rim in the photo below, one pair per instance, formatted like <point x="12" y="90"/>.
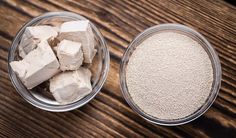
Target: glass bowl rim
<point x="67" y="107"/>
<point x="216" y="73"/>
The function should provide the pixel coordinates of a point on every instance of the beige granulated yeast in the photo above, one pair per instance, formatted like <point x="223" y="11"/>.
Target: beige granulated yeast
<point x="169" y="76"/>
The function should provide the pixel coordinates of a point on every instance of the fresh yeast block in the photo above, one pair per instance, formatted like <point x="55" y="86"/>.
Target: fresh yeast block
<point x="79" y="31"/>
<point x="34" y="35"/>
<point x="70" y="86"/>
<point x="38" y="65"/>
<point x="70" y="55"/>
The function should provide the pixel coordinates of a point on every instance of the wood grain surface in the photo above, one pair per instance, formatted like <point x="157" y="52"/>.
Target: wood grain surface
<point x="108" y="115"/>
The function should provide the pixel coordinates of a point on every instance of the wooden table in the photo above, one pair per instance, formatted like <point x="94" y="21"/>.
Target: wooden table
<point x="108" y="114"/>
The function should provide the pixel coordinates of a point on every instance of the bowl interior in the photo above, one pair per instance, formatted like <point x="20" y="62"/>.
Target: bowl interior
<point x="182" y="30"/>
<point x="40" y="96"/>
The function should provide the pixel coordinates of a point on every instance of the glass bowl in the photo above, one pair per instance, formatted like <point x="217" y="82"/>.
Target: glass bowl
<point x="40" y="95"/>
<point x="197" y="37"/>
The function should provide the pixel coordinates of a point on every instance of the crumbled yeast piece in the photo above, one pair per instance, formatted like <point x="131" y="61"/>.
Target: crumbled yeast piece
<point x="37" y="66"/>
<point x="79" y="31"/>
<point x="34" y="35"/>
<point x="70" y="55"/>
<point x="70" y="86"/>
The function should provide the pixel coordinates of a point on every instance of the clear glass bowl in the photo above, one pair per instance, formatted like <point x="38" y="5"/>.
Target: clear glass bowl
<point x="40" y="95"/>
<point x="196" y="36"/>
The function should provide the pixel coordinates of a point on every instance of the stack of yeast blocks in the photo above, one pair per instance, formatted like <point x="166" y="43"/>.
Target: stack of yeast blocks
<point x="61" y="63"/>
